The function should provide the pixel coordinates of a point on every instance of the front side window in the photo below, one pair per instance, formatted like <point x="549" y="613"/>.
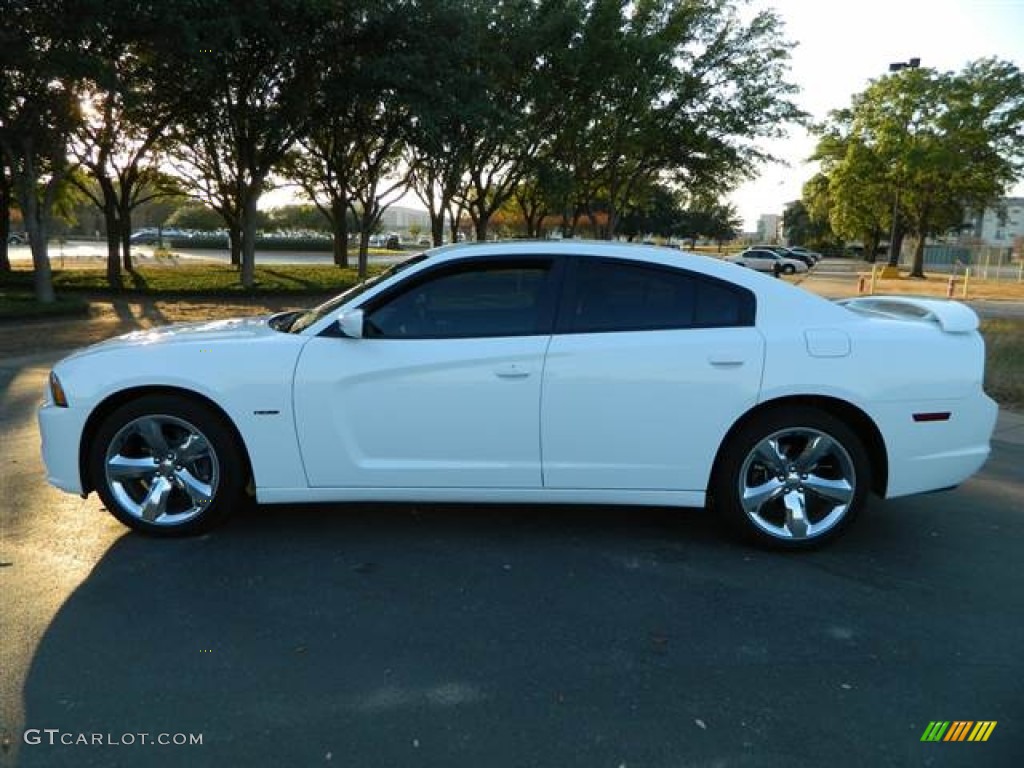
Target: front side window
<point x="610" y="295"/>
<point x="472" y="300"/>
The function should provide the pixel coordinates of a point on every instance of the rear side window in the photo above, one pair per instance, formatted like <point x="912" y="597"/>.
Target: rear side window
<point x="607" y="295"/>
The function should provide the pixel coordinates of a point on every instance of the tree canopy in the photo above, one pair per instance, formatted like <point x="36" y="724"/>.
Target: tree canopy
<point x="578" y="109"/>
<point x="922" y="147"/>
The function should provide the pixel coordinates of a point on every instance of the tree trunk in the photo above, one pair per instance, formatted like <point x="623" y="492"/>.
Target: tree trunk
<point x="126" y="240"/>
<point x="339" y="215"/>
<point x="612" y="226"/>
<point x="364" y="250"/>
<point x="42" y="277"/>
<point x="870" y="248"/>
<point x="249" y="237"/>
<point x="36" y="216"/>
<point x="437" y="229"/>
<point x="5" y="220"/>
<point x="113" y="248"/>
<point x="235" y="243"/>
<point x="455" y="211"/>
<point x="480" y="227"/>
<point x="36" y="225"/>
<point x="896" y="246"/>
<point x="125" y="221"/>
<point x="917" y="270"/>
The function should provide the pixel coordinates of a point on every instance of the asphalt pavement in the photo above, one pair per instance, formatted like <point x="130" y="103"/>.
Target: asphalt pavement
<point x="395" y="635"/>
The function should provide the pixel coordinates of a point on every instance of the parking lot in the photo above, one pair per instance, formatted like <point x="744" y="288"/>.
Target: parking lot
<point x="394" y="635"/>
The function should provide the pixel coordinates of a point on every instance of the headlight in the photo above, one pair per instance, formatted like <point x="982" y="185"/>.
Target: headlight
<point x="57" y="391"/>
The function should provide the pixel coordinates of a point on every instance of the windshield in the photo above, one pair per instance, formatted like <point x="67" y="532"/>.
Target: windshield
<point x="305" y="319"/>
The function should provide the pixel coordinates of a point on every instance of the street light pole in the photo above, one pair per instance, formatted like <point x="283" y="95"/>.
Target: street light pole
<point x="894" y="257"/>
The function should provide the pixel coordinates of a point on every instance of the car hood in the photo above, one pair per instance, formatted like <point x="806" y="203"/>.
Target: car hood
<point x="213" y="331"/>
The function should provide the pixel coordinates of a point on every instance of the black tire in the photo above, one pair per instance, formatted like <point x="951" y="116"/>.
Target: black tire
<point x="175" y="466"/>
<point x="792" y="478"/>
<point x="788" y="269"/>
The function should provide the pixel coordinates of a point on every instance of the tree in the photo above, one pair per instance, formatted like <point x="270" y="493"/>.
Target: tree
<point x="40" y="80"/>
<point x="445" y="100"/>
<point x="247" y="73"/>
<point x="297" y="217"/>
<point x="802" y="228"/>
<point x="195" y="215"/>
<point x="125" y="120"/>
<point x="350" y="159"/>
<point x="659" y="211"/>
<point x="925" y="146"/>
<point x="660" y="90"/>
<point x="514" y="105"/>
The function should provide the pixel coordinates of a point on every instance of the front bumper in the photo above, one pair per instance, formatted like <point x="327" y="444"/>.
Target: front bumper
<point x="61" y="433"/>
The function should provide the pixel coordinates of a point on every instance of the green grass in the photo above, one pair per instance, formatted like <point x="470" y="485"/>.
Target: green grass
<point x="1004" y="360"/>
<point x="199" y="279"/>
<point x="19" y="304"/>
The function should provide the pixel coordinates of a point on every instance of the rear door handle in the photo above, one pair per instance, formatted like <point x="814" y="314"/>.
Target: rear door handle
<point x="512" y="371"/>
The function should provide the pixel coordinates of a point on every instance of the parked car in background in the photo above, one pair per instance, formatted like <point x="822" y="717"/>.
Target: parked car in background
<point x="766" y="260"/>
<point x="153" y="236"/>
<point x="798" y="250"/>
<point x="790" y="253"/>
<point x="534" y="372"/>
<point x="15" y="238"/>
<point x="388" y="240"/>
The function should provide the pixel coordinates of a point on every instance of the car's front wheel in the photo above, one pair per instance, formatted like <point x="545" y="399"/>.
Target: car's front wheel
<point x="792" y="478"/>
<point x="167" y="465"/>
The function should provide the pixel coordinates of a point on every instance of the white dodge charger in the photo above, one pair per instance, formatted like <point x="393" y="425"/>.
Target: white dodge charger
<point x="547" y="372"/>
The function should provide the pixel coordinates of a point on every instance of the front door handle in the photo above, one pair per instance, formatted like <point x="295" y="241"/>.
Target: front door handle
<point x="726" y="360"/>
<point x="512" y="371"/>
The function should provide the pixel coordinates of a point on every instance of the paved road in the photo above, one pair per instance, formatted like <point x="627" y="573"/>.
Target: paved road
<point x="89" y="253"/>
<point x="505" y="636"/>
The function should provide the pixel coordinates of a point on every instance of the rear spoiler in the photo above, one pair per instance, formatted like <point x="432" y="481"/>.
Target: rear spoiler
<point x="951" y="316"/>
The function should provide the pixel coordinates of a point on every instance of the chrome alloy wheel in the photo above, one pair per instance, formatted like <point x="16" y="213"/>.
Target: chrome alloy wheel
<point x="162" y="470"/>
<point x="797" y="483"/>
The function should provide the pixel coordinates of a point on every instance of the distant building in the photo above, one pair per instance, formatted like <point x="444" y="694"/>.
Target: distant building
<point x="768" y="226"/>
<point x="999" y="225"/>
<point x="401" y="220"/>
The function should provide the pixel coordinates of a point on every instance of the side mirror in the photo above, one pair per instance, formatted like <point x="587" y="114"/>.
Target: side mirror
<point x="351" y="324"/>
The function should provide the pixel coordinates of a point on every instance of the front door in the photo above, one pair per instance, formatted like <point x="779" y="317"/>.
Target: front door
<point x="442" y="391"/>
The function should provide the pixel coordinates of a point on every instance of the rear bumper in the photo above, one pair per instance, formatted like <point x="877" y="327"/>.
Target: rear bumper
<point x="933" y="455"/>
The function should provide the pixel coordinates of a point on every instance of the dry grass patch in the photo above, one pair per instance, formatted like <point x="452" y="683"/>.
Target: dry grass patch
<point x="937" y="285"/>
<point x="1004" y="360"/>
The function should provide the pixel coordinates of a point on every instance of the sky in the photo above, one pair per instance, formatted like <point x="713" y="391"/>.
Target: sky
<point x="842" y="45"/>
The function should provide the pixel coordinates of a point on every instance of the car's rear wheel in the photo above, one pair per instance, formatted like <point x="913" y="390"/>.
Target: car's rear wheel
<point x="788" y="269"/>
<point x="792" y="478"/>
<point x="166" y="465"/>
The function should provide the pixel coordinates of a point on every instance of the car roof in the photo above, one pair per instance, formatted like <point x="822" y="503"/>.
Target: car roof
<point x="589" y="248"/>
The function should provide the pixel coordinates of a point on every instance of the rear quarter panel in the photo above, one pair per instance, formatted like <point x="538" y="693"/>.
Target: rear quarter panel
<point x="893" y="370"/>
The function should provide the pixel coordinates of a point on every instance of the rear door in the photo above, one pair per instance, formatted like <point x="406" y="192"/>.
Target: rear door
<point x="647" y="370"/>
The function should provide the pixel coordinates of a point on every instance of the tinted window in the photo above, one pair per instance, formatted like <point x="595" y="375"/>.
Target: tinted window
<point x="496" y="299"/>
<point x="625" y="296"/>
